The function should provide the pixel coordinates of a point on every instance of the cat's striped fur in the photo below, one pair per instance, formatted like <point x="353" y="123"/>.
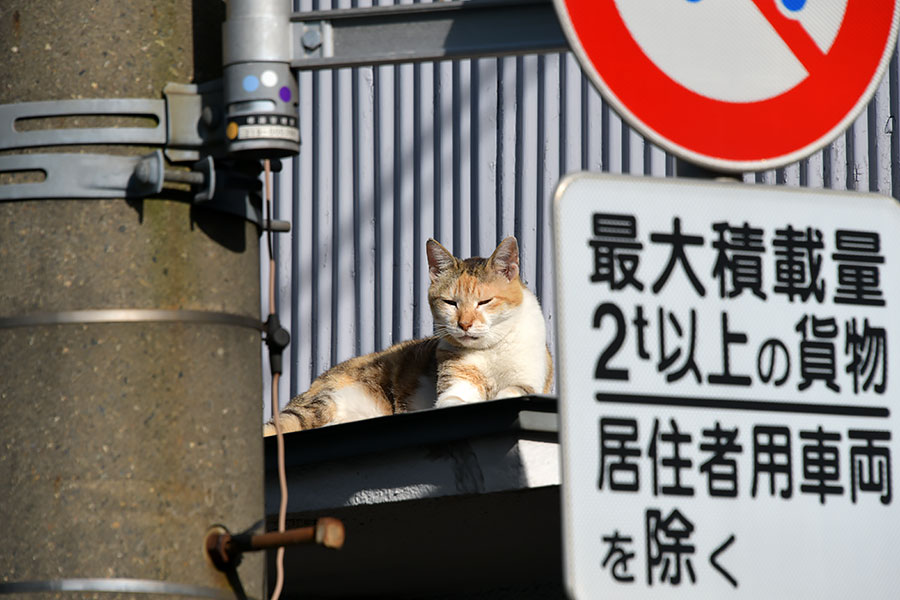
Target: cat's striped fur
<point x="489" y="342"/>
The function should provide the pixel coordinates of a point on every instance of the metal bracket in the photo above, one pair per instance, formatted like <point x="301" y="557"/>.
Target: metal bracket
<point x="230" y="190"/>
<point x="226" y="189"/>
<point x="194" y="120"/>
<point x="187" y="121"/>
<point x="353" y="37"/>
<point x="13" y="138"/>
<point x="84" y="176"/>
<point x="189" y="125"/>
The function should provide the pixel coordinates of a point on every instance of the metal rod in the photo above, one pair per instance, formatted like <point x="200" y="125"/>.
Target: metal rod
<point x="326" y="532"/>
<point x="277" y="225"/>
<point x="184" y="176"/>
<point x="225" y="549"/>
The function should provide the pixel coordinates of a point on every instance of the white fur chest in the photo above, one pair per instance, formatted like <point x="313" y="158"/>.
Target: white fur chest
<point x="519" y="358"/>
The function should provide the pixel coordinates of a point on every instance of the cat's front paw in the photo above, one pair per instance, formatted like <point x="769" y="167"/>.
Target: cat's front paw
<point x="449" y="401"/>
<point x="514" y="391"/>
<point x="458" y="392"/>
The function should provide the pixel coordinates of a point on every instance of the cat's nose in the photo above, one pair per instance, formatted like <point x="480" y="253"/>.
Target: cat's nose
<point x="464" y="325"/>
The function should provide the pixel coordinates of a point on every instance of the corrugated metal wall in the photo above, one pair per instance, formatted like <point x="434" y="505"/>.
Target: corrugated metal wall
<point x="466" y="152"/>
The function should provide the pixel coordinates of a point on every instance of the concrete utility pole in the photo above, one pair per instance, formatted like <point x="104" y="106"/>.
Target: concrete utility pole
<point x="121" y="443"/>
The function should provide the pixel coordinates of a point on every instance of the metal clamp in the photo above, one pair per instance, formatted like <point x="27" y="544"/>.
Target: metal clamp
<point x="83" y="176"/>
<point x="120" y="585"/>
<point x="13" y="138"/>
<point x="188" y="120"/>
<point x="194" y="120"/>
<point x="130" y="315"/>
<point x="230" y="190"/>
<point x="189" y="125"/>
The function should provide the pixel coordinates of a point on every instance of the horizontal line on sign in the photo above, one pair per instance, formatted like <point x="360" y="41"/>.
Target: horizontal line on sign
<point x="752" y="405"/>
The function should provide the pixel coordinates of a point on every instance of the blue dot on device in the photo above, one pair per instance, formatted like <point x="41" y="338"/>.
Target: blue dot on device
<point x="251" y="83"/>
<point x="794" y="5"/>
<point x="693" y="1"/>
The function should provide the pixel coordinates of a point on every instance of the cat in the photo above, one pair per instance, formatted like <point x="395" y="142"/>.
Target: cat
<point x="489" y="342"/>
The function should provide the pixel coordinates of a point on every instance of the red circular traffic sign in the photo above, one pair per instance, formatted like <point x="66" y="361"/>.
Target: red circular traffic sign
<point x="737" y="85"/>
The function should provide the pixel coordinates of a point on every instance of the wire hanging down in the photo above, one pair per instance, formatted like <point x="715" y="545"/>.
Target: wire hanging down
<point x="275" y="365"/>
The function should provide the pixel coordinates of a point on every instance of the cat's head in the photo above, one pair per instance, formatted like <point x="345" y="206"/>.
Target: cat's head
<point x="472" y="299"/>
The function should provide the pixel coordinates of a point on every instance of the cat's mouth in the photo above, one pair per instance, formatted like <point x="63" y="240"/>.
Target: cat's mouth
<point x="467" y="338"/>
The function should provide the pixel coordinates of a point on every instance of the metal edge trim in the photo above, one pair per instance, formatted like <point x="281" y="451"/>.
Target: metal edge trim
<point x="134" y="586"/>
<point x="542" y="422"/>
<point x="392" y="10"/>
<point x="129" y="315"/>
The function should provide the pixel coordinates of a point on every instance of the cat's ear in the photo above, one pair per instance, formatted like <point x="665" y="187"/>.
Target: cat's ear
<point x="439" y="259"/>
<point x="505" y="259"/>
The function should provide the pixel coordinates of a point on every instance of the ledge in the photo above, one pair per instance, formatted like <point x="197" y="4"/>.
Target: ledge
<point x="497" y="446"/>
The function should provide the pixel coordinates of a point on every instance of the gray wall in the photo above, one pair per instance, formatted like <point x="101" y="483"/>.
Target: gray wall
<point x="466" y="152"/>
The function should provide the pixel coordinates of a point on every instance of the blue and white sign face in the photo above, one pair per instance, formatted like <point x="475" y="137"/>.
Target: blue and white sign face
<point x="729" y="405"/>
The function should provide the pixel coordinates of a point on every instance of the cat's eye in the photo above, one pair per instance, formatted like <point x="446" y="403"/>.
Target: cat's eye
<point x="450" y="302"/>
<point x="483" y="302"/>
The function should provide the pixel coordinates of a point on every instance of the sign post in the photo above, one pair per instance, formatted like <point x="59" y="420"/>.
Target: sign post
<point x="729" y="406"/>
<point x="741" y="85"/>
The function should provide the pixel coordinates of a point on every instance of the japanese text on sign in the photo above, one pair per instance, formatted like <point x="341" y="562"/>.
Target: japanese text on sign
<point x="727" y="397"/>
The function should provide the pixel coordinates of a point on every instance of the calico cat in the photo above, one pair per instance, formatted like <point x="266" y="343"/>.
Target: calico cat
<point x="489" y="342"/>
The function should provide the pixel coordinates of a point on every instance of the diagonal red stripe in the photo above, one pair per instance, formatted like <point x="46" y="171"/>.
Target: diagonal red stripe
<point x="798" y="40"/>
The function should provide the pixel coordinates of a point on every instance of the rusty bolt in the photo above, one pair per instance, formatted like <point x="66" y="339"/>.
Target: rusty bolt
<point x="226" y="550"/>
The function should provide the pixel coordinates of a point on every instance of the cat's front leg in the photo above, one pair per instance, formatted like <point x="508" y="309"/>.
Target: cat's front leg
<point x="458" y="392"/>
<point x="448" y="401"/>
<point x="514" y="391"/>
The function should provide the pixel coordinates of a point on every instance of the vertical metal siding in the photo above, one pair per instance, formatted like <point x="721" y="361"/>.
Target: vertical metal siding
<point x="467" y="152"/>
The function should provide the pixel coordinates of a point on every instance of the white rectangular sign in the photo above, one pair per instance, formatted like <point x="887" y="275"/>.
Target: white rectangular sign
<point x="728" y="389"/>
